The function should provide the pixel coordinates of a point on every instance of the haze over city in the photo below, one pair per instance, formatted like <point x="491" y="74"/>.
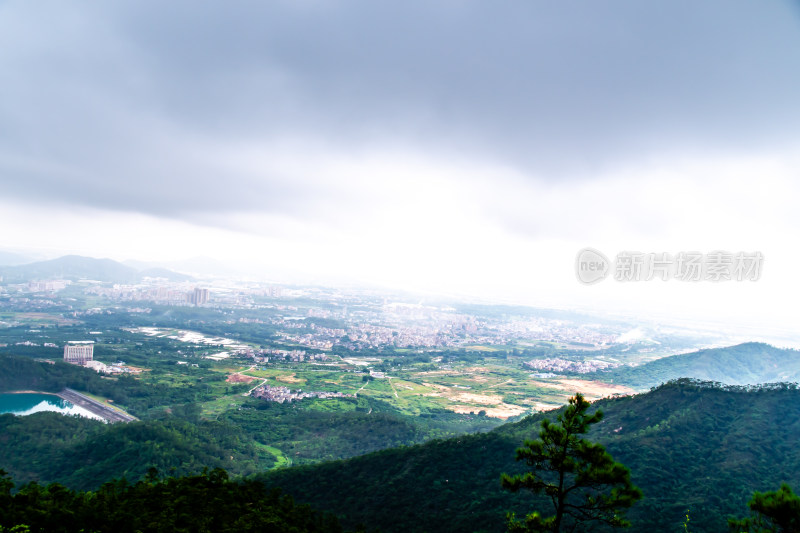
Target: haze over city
<point x="460" y="148"/>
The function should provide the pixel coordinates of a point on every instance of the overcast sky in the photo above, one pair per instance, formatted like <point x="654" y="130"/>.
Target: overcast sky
<point x="462" y="147"/>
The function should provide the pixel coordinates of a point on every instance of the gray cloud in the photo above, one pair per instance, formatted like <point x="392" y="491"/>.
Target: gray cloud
<point x="122" y="104"/>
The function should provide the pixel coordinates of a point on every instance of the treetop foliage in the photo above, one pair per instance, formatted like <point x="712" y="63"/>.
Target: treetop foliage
<point x="202" y="503"/>
<point x="776" y="511"/>
<point x="581" y="479"/>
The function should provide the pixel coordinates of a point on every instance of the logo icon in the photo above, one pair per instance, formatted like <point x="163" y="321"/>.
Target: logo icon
<point x="591" y="266"/>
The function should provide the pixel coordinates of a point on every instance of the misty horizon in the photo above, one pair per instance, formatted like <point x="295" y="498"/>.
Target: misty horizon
<point x="456" y="149"/>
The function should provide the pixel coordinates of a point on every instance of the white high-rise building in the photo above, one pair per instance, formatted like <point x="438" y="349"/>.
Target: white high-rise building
<point x="78" y="352"/>
<point x="198" y="296"/>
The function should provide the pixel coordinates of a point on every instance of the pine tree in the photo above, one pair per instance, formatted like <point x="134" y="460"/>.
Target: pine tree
<point x="584" y="483"/>
<point x="776" y="511"/>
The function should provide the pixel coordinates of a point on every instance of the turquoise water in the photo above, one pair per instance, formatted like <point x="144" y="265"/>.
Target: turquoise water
<point x="23" y="404"/>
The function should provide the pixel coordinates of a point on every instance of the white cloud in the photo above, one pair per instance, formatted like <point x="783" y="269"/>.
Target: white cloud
<point x="415" y="144"/>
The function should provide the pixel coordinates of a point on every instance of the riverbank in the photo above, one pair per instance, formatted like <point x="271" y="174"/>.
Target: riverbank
<point x="28" y="392"/>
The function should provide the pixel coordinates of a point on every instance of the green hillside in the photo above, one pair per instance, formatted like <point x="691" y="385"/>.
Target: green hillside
<point x="84" y="454"/>
<point x="744" y="364"/>
<point x="689" y="445"/>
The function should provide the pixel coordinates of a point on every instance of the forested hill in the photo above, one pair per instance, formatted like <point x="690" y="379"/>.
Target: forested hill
<point x="207" y="502"/>
<point x="743" y="364"/>
<point x="689" y="445"/>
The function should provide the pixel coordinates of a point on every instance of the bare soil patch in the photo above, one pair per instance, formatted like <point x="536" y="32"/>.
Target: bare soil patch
<point x="239" y="378"/>
<point x="480" y="399"/>
<point x="501" y="411"/>
<point x="291" y="378"/>
<point x="593" y="390"/>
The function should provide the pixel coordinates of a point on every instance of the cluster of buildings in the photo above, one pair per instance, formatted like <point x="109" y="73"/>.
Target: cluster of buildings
<point x="310" y="340"/>
<point x="233" y="294"/>
<point x="366" y="335"/>
<point x="118" y="368"/>
<point x="284" y="394"/>
<point x="372" y="336"/>
<point x="41" y="302"/>
<point x="371" y="324"/>
<point x="557" y="364"/>
<point x="263" y="355"/>
<point x="82" y="353"/>
<point x="48" y="286"/>
<point x="175" y="294"/>
<point x="160" y="294"/>
<point x="592" y="336"/>
<point x="440" y="330"/>
<point x="273" y="291"/>
<point x="296" y="355"/>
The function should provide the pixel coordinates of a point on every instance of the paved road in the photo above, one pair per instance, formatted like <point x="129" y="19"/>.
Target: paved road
<point x="95" y="407"/>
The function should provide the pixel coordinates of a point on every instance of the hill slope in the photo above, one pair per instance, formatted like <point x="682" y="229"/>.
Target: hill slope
<point x="76" y="267"/>
<point x="744" y="364"/>
<point x="689" y="446"/>
<point x="85" y="453"/>
<point x="11" y="258"/>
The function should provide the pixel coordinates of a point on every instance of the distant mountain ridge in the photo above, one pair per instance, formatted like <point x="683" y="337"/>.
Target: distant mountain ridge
<point x="744" y="364"/>
<point x="201" y="266"/>
<point x="75" y="267"/>
<point x="12" y="258"/>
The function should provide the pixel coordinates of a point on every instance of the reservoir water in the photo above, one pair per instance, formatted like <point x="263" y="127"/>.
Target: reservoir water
<point x="27" y="403"/>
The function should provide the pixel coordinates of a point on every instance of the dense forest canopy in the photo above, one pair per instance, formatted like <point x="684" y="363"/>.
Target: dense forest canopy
<point x="689" y="445"/>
